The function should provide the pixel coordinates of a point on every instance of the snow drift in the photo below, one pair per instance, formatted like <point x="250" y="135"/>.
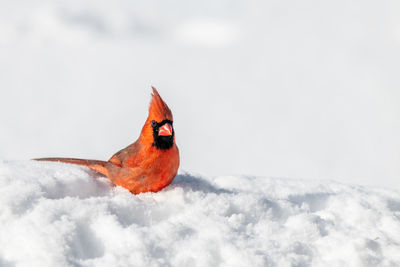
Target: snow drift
<point x="54" y="214"/>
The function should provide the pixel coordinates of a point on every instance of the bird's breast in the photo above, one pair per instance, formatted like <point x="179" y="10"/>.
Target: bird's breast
<point x="159" y="169"/>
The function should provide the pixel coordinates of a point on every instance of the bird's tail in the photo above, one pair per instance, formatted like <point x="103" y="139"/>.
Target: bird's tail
<point x="96" y="165"/>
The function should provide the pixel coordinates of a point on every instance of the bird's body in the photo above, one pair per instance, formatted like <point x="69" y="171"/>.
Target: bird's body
<point x="149" y="164"/>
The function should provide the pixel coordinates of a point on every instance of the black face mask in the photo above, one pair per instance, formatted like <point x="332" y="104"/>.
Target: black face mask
<point x="162" y="142"/>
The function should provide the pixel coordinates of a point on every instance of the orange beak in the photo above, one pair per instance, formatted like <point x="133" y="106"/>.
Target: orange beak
<point x="165" y="130"/>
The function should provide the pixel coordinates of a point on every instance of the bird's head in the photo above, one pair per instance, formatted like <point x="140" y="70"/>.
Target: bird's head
<point x="158" y="129"/>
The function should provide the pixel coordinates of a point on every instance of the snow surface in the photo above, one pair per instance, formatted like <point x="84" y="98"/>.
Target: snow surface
<point x="54" y="214"/>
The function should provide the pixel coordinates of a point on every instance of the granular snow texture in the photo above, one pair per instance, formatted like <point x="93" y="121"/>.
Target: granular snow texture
<point x="54" y="214"/>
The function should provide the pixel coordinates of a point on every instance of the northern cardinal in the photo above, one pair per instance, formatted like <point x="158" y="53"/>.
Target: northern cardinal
<point x="149" y="164"/>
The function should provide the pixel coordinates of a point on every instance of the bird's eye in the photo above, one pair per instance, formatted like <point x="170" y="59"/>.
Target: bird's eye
<point x="153" y="124"/>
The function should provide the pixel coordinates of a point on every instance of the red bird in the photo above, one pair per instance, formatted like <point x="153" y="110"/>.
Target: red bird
<point x="149" y="164"/>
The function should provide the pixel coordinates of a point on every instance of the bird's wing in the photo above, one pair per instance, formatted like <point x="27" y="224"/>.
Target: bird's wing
<point x="124" y="157"/>
<point x="132" y="179"/>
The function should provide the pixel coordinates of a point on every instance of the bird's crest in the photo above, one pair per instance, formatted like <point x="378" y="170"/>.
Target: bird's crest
<point x="158" y="110"/>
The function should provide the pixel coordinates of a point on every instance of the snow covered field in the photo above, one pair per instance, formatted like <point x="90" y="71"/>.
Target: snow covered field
<point x="52" y="214"/>
<point x="299" y="89"/>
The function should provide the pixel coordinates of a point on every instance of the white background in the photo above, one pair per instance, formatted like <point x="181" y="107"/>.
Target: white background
<point x="300" y="89"/>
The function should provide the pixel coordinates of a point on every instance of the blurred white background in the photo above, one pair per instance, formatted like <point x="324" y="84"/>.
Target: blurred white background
<point x="300" y="89"/>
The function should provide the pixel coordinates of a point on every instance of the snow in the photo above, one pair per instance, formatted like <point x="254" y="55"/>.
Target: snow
<point x="54" y="214"/>
<point x="307" y="90"/>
